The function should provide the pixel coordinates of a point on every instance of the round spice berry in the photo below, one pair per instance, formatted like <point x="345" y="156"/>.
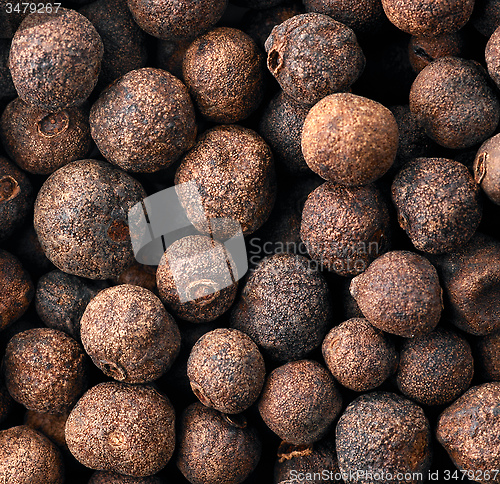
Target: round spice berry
<point x="487" y="356"/>
<point x="487" y="168"/>
<point x="52" y="426"/>
<point x="424" y="50"/>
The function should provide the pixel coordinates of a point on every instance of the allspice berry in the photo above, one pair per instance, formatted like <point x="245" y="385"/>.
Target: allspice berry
<point x="28" y="457"/>
<point x="349" y="139"/>
<point x="487" y="356"/>
<point x="128" y="429"/>
<point x="224" y="72"/>
<point x="214" y="448"/>
<point x="129" y="335"/>
<point x="486" y="16"/>
<point x="103" y="477"/>
<point x="85" y="232"/>
<point x="300" y="401"/>
<point x="311" y="56"/>
<point x="52" y="426"/>
<point x="45" y="370"/>
<point x="438" y="204"/>
<point x="424" y="50"/>
<point x="55" y="59"/>
<point x="285" y="307"/>
<point x="400" y="294"/>
<point x="144" y="121"/>
<point x="487" y="168"/>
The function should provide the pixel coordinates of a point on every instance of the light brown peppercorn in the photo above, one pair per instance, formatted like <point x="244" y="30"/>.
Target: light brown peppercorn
<point x="223" y="71"/>
<point x="129" y="335"/>
<point x="487" y="356"/>
<point x="424" y="50"/>
<point x="144" y="121"/>
<point x="102" y="477"/>
<point x="52" y="426"/>
<point x="45" y="370"/>
<point x="487" y="168"/>
<point x="349" y="139"/>
<point x="400" y="293"/>
<point x="300" y="401"/>
<point x="123" y="428"/>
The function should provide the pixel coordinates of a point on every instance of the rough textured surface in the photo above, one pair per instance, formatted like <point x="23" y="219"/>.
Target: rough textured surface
<point x="223" y="71"/>
<point x="214" y="448"/>
<point x="226" y="370"/>
<point x="359" y="356"/>
<point x="102" y="477"/>
<point x="41" y="142"/>
<point x="492" y="55"/>
<point x="129" y="335"/>
<point x="55" y="59"/>
<point x="123" y="428"/>
<point x="454" y="101"/>
<point x="487" y="168"/>
<point x="28" y="457"/>
<point x="349" y="139"/>
<point x="435" y="369"/>
<point x="52" y="426"/>
<point x="345" y="228"/>
<point x="383" y="432"/>
<point x="400" y="294"/>
<point x="469" y="430"/>
<point x="300" y="401"/>
<point x="487" y="356"/>
<point x="311" y="56"/>
<point x="81" y="218"/>
<point x="486" y="16"/>
<point x="424" y="50"/>
<point x="284" y="307"/>
<point x="144" y="121"/>
<point x="438" y="204"/>
<point x="45" y="370"/>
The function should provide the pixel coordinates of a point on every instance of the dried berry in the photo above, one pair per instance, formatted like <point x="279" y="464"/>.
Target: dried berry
<point x="223" y="71"/>
<point x="438" y="204"/>
<point x="52" y="426"/>
<point x="45" y="370"/>
<point x="486" y="16"/>
<point x="214" y="448"/>
<point x="129" y="335"/>
<point x="300" y="401"/>
<point x="85" y="232"/>
<point x="102" y="477"/>
<point x="400" y="294"/>
<point x="345" y="228"/>
<point x="144" y="121"/>
<point x="284" y="307"/>
<point x="424" y="50"/>
<point x="139" y="275"/>
<point x="311" y="56"/>
<point x="359" y="356"/>
<point x="55" y="59"/>
<point x="349" y="139"/>
<point x="487" y="356"/>
<point x="487" y="168"/>
<point x="128" y="429"/>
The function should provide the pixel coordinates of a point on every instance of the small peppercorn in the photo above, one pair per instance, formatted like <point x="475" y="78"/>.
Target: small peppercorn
<point x="486" y="16"/>
<point x="52" y="426"/>
<point x="284" y="307"/>
<point x="359" y="356"/>
<point x="144" y="121"/>
<point x="311" y="56"/>
<point x="345" y="228"/>
<point x="349" y="139"/>
<point x="55" y="59"/>
<point x="214" y="448"/>
<point x="381" y="433"/>
<point x="438" y="204"/>
<point x="128" y="429"/>
<point x="400" y="293"/>
<point x="129" y="335"/>
<point x="7" y="89"/>
<point x="487" y="356"/>
<point x="223" y="71"/>
<point x="81" y="218"/>
<point x="487" y="168"/>
<point x="299" y="402"/>
<point x="45" y="370"/>
<point x="28" y="457"/>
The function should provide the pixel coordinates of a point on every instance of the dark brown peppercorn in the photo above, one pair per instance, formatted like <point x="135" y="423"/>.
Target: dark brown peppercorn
<point x="345" y="228"/>
<point x="169" y="56"/>
<point x="438" y="204"/>
<point x="129" y="335"/>
<point x="85" y="232"/>
<point x="284" y="307"/>
<point x="102" y="477"/>
<point x="144" y="121"/>
<point x="28" y="457"/>
<point x="55" y="59"/>
<point x="223" y="71"/>
<point x="424" y="50"/>
<point x="349" y="139"/>
<point x="400" y="294"/>
<point x="214" y="448"/>
<point x="52" y="426"/>
<point x="381" y="433"/>
<point x="486" y="16"/>
<point x="453" y="100"/>
<point x="300" y="401"/>
<point x="487" y="168"/>
<point x="359" y="356"/>
<point x="226" y="370"/>
<point x="487" y="356"/>
<point x="45" y="370"/>
<point x="41" y="142"/>
<point x="305" y="71"/>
